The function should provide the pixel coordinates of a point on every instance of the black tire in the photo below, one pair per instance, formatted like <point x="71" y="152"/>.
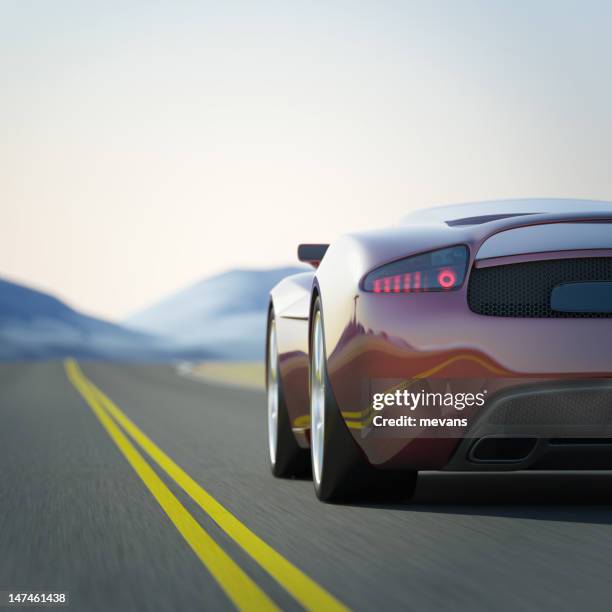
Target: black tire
<point x="345" y="473"/>
<point x="287" y="459"/>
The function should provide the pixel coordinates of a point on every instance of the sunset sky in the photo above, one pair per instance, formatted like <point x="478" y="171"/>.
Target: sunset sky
<point x="146" y="145"/>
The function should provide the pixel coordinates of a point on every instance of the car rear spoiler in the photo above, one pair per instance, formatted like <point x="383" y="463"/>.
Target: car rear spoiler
<point x="312" y="253"/>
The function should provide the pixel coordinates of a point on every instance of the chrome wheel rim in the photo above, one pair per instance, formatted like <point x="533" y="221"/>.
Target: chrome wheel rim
<point x="272" y="392"/>
<point x="317" y="399"/>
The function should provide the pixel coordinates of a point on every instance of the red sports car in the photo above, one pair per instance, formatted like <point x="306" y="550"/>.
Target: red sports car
<point x="468" y="337"/>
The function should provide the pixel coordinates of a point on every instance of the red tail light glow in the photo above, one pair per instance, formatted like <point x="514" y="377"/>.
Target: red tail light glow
<point x="447" y="278"/>
<point x="441" y="270"/>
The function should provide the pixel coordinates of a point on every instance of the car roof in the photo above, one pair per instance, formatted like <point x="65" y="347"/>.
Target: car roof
<point x="473" y="213"/>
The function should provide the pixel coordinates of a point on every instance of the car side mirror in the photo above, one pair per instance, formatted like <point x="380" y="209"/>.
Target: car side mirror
<point x="312" y="253"/>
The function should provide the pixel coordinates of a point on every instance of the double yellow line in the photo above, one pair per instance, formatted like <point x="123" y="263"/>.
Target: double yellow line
<point x="240" y="588"/>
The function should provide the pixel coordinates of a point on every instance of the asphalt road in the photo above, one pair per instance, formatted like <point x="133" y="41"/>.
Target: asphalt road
<point x="76" y="516"/>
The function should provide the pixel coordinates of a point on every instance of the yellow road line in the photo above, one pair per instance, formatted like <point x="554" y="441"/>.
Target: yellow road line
<point x="302" y="422"/>
<point x="305" y="590"/>
<point x="241" y="590"/>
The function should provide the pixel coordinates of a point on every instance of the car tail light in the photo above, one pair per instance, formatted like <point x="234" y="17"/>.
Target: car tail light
<point x="442" y="270"/>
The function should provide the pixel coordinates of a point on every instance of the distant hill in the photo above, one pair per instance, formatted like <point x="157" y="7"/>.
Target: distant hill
<point x="35" y="325"/>
<point x="224" y="314"/>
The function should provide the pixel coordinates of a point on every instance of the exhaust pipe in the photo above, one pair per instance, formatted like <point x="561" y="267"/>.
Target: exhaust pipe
<point x="493" y="449"/>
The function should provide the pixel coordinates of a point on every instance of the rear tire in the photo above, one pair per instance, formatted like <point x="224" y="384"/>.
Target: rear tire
<point x="287" y="459"/>
<point x="340" y="469"/>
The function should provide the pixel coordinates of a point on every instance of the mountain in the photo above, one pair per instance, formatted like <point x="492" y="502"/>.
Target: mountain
<point x="224" y="314"/>
<point x="36" y="325"/>
<point x="222" y="317"/>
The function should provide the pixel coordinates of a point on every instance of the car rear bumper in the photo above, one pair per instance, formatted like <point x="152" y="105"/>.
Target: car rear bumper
<point x="437" y="336"/>
<point x="565" y="425"/>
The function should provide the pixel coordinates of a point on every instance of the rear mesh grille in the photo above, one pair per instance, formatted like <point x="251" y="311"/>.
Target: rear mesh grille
<point x="523" y="289"/>
<point x="581" y="408"/>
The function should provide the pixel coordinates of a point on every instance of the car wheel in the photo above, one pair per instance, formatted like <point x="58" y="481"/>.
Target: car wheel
<point x="340" y="469"/>
<point x="287" y="459"/>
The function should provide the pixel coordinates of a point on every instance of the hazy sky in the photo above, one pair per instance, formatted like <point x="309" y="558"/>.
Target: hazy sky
<point x="148" y="144"/>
